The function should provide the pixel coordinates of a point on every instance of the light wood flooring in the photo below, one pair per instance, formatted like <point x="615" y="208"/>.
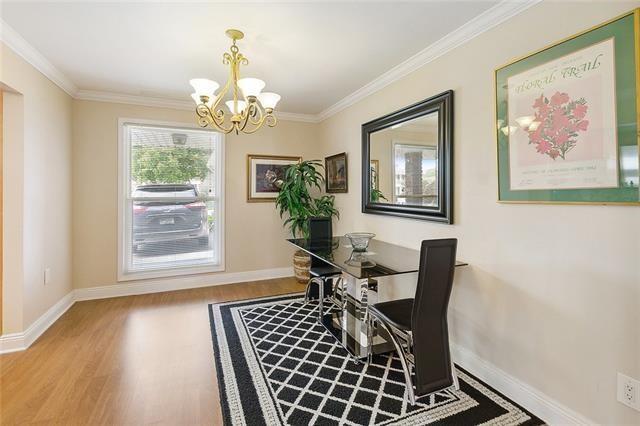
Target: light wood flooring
<point x="128" y="360"/>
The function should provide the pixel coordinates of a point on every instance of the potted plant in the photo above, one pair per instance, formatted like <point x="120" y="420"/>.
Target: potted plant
<point x="296" y="200"/>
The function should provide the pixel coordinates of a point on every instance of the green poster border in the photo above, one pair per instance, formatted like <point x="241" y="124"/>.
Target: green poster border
<point x="625" y="31"/>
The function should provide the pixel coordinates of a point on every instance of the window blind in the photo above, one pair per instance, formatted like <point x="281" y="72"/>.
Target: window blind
<point x="171" y="199"/>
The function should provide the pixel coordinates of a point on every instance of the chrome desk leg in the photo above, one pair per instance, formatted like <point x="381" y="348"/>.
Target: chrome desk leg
<point x="320" y="300"/>
<point x="355" y="315"/>
<point x="370" y="324"/>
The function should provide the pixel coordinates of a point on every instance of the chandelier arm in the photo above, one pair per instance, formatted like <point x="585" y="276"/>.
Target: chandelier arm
<point x="235" y="74"/>
<point x="219" y="98"/>
<point x="246" y="116"/>
<point x="252" y="130"/>
<point x="223" y="92"/>
<point x="207" y="118"/>
<point x="223" y="129"/>
<point x="259" y="116"/>
<point x="204" y="115"/>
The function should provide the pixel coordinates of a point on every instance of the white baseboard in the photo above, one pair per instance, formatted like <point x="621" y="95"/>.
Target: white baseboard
<point x="158" y="285"/>
<point x="540" y="404"/>
<point x="20" y="341"/>
<point x="12" y="342"/>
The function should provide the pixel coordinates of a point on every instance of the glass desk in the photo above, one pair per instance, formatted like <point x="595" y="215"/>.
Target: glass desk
<point x="359" y="273"/>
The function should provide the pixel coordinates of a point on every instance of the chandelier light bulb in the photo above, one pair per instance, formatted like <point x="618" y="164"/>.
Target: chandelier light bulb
<point x="269" y="100"/>
<point x="241" y="106"/>
<point x="197" y="100"/>
<point x="251" y="87"/>
<point x="204" y="87"/>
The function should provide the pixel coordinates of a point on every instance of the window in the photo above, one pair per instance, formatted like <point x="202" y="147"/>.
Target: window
<point x="171" y="201"/>
<point x="415" y="174"/>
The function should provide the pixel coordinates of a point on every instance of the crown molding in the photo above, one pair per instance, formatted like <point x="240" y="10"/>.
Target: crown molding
<point x="122" y="98"/>
<point x="293" y="116"/>
<point x="18" y="44"/>
<point x="478" y="25"/>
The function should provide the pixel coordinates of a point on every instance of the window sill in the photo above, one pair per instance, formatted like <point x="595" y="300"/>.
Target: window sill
<point x="169" y="273"/>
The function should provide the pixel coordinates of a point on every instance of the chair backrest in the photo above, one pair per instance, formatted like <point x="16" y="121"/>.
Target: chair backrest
<point x="320" y="234"/>
<point x="320" y="228"/>
<point x="429" y="317"/>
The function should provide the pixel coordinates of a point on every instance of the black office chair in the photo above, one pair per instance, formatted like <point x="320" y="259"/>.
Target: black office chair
<point x="323" y="275"/>
<point x="418" y="327"/>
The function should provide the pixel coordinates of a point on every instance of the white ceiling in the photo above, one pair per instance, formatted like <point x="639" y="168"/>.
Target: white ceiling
<point x="313" y="53"/>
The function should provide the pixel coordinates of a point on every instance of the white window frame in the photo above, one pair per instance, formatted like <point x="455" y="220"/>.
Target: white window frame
<point x="123" y="185"/>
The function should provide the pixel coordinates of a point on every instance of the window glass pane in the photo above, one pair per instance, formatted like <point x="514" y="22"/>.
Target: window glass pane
<point x="172" y="208"/>
<point x="173" y="234"/>
<point x="167" y="156"/>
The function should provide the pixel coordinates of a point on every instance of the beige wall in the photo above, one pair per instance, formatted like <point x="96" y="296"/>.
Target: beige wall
<point x="553" y="303"/>
<point x="253" y="231"/>
<point x="37" y="147"/>
<point x="13" y="214"/>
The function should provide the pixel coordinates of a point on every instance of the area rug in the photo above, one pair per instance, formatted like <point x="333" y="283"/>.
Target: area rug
<point x="277" y="366"/>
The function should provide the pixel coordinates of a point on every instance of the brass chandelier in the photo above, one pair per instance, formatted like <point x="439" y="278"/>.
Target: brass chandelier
<point x="249" y="108"/>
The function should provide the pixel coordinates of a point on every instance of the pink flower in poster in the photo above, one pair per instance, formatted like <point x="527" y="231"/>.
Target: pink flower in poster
<point x="582" y="126"/>
<point x="560" y="121"/>
<point x="543" y="146"/>
<point x="559" y="99"/>
<point x="541" y="105"/>
<point x="580" y="111"/>
<point x="562" y="138"/>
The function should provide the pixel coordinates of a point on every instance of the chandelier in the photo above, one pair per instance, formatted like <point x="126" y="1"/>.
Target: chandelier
<point x="248" y="108"/>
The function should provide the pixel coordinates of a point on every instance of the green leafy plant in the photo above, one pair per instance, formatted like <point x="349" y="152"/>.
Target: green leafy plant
<point x="177" y="164"/>
<point x="296" y="201"/>
<point x="376" y="195"/>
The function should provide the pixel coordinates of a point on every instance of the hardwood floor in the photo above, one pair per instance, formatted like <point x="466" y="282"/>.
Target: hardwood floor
<point x="128" y="360"/>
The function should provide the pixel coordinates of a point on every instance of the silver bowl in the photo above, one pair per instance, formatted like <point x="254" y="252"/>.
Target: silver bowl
<point x="360" y="240"/>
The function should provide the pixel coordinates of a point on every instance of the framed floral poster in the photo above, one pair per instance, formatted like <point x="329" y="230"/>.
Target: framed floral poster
<point x="567" y="119"/>
<point x="264" y="176"/>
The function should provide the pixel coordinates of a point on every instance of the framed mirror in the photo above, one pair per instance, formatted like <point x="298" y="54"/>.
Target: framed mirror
<point x="407" y="161"/>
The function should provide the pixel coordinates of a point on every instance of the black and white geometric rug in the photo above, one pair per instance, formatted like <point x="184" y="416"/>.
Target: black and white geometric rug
<point x="277" y="366"/>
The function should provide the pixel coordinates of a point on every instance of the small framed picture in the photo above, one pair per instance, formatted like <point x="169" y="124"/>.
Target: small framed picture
<point x="265" y="174"/>
<point x="336" y="173"/>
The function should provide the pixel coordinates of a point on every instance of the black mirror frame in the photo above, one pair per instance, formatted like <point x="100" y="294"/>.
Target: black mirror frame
<point x="443" y="104"/>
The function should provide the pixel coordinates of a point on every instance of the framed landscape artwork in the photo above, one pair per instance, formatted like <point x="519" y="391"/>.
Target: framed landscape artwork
<point x="336" y="173"/>
<point x="567" y="119"/>
<point x="264" y="176"/>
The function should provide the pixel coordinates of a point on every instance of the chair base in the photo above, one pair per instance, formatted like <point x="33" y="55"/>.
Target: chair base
<point x="406" y="363"/>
